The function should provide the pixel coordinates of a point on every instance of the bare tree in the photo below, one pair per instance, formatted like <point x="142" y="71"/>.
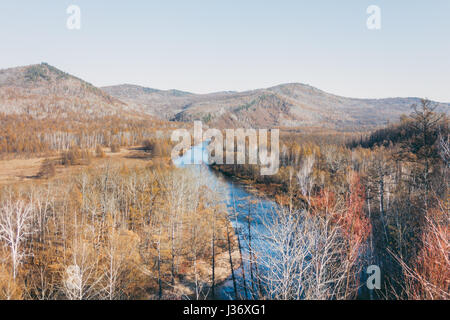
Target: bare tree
<point x="444" y="148"/>
<point x="121" y="255"/>
<point x="9" y="289"/>
<point x="305" y="176"/>
<point x="15" y="227"/>
<point x="303" y="256"/>
<point x="428" y="277"/>
<point x="82" y="277"/>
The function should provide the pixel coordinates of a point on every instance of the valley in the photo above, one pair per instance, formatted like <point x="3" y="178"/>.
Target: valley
<point x="94" y="204"/>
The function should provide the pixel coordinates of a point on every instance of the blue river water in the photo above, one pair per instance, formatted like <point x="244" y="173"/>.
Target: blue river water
<point x="241" y="204"/>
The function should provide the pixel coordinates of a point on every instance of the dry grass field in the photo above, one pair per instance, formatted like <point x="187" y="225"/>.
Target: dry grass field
<point x="14" y="171"/>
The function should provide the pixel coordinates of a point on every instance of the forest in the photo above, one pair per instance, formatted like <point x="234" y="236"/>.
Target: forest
<point x="375" y="199"/>
<point x="109" y="228"/>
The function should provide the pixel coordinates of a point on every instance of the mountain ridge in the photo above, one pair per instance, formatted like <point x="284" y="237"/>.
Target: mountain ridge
<point x="42" y="90"/>
<point x="289" y="105"/>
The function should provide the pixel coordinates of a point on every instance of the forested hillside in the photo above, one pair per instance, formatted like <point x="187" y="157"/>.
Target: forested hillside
<point x="289" y="105"/>
<point x="92" y="206"/>
<point x="45" y="91"/>
<point x="385" y="196"/>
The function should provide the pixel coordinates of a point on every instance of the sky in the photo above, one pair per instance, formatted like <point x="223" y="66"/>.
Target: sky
<point x="206" y="46"/>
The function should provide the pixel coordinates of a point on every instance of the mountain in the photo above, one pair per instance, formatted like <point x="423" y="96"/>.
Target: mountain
<point x="151" y="101"/>
<point x="43" y="91"/>
<point x="161" y="103"/>
<point x="286" y="105"/>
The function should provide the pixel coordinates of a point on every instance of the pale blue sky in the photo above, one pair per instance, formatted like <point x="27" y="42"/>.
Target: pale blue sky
<point x="209" y="45"/>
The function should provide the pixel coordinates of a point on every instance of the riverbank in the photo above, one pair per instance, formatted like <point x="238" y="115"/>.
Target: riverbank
<point x="242" y="199"/>
<point x="186" y="287"/>
<point x="267" y="191"/>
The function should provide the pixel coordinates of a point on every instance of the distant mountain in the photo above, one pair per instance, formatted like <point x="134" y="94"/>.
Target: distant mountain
<point x="45" y="91"/>
<point x="287" y="105"/>
<point x="161" y="103"/>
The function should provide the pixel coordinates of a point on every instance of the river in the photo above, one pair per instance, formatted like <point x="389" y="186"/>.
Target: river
<point x="239" y="202"/>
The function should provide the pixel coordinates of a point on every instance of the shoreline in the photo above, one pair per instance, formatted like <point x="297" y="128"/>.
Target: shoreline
<point x="261" y="190"/>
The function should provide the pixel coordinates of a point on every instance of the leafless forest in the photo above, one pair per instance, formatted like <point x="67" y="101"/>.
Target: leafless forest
<point x="94" y="222"/>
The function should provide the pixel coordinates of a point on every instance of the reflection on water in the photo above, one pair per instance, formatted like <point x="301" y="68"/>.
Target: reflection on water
<point x="241" y="204"/>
